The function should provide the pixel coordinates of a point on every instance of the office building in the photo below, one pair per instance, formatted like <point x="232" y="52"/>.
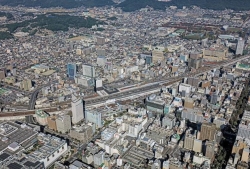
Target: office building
<point x="82" y="133"/>
<point x="100" y="40"/>
<point x="185" y="87"/>
<point x="94" y="117"/>
<point x="168" y="121"/>
<point x="88" y="70"/>
<point x="84" y="80"/>
<point x="210" y="150"/>
<point x="77" y="109"/>
<point x="26" y="84"/>
<point x="208" y="131"/>
<point x="189" y="103"/>
<point x="240" y="46"/>
<point x="51" y="149"/>
<point x="167" y="108"/>
<point x="155" y="104"/>
<point x="189" y="141"/>
<point x="213" y="98"/>
<point x="99" y="158"/>
<point x="52" y="122"/>
<point x="71" y="70"/>
<point x="184" y="58"/>
<point x="101" y="61"/>
<point x="98" y="84"/>
<point x="63" y="123"/>
<point x="220" y="122"/>
<point x="157" y="55"/>
<point x="197" y="146"/>
<point x="193" y="116"/>
<point x="215" y="53"/>
<point x="2" y="73"/>
<point x="148" y="59"/>
<point x="199" y="159"/>
<point x="100" y="52"/>
<point x="245" y="155"/>
<point x="41" y="117"/>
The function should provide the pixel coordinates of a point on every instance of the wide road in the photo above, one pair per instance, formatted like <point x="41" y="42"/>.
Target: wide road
<point x="145" y="89"/>
<point x="33" y="96"/>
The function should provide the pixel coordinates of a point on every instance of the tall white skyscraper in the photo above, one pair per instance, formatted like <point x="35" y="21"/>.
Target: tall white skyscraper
<point x="77" y="109"/>
<point x="240" y="46"/>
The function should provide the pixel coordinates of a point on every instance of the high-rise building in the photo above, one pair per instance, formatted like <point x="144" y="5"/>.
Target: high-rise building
<point x="210" y="147"/>
<point x="99" y="158"/>
<point x="71" y="70"/>
<point x="94" y="117"/>
<point x="195" y="63"/>
<point x="88" y="70"/>
<point x="26" y="84"/>
<point x="214" y="98"/>
<point x="192" y="116"/>
<point x="240" y="46"/>
<point x="100" y="40"/>
<point x="245" y="155"/>
<point x="82" y="133"/>
<point x="98" y="84"/>
<point x="189" y="103"/>
<point x="208" y="131"/>
<point x="165" y="165"/>
<point x="190" y="80"/>
<point x="77" y="109"/>
<point x="168" y="121"/>
<point x="41" y="117"/>
<point x="2" y="73"/>
<point x="189" y="141"/>
<point x="197" y="146"/>
<point x="63" y="123"/>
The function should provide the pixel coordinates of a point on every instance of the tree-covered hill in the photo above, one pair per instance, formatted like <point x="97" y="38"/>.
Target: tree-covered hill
<point x="132" y="5"/>
<point x="57" y="3"/>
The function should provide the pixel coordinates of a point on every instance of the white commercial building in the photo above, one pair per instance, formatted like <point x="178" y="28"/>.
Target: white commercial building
<point x="53" y="148"/>
<point x="185" y="87"/>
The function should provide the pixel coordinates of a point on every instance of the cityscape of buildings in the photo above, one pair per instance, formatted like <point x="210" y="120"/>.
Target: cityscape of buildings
<point x="145" y="89"/>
